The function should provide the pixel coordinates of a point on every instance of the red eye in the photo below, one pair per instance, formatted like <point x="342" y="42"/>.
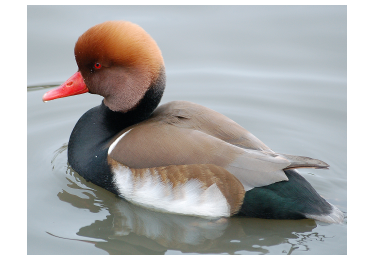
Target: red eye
<point x="97" y="65"/>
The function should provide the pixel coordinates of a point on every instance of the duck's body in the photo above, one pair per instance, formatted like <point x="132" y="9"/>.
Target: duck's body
<point x="180" y="157"/>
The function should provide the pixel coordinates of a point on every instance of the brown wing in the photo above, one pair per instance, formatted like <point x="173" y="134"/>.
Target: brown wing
<point x="183" y="133"/>
<point x="168" y="139"/>
<point x="189" y="115"/>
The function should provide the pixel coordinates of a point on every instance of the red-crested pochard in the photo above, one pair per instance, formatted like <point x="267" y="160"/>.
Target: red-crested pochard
<point x="180" y="157"/>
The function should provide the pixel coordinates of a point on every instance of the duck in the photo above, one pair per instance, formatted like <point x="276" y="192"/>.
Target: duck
<point x="179" y="157"/>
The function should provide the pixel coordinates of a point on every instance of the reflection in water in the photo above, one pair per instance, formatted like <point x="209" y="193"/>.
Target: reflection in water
<point x="130" y="229"/>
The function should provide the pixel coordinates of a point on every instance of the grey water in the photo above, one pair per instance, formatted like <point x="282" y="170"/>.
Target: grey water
<point x="279" y="71"/>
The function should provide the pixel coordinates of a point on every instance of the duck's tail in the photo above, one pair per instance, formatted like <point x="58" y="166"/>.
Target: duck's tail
<point x="292" y="199"/>
<point x="335" y="216"/>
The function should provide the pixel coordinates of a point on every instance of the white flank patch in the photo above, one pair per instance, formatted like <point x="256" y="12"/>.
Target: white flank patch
<point x="186" y="199"/>
<point x="113" y="145"/>
<point x="336" y="216"/>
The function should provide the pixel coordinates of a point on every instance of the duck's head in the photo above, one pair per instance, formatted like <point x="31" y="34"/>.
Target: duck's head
<point x="119" y="61"/>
